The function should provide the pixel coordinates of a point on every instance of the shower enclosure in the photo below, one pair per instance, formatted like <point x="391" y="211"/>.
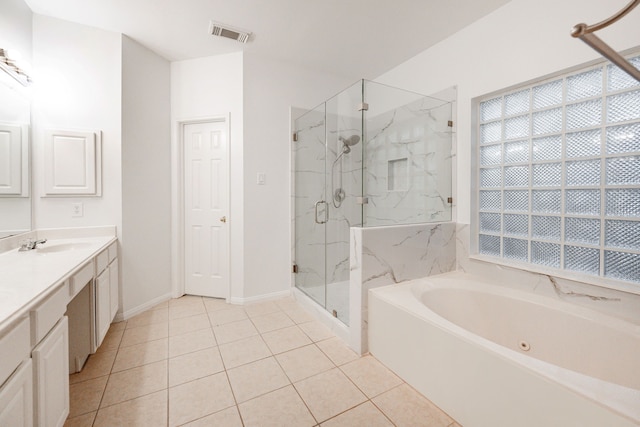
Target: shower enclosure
<point x="370" y="156"/>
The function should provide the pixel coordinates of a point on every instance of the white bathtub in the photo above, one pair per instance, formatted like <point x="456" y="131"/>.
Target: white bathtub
<point x="493" y="356"/>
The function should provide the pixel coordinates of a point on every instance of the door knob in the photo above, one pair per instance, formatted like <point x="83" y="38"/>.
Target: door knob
<point x="223" y="219"/>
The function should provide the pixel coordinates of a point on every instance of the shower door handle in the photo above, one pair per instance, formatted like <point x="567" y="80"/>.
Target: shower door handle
<point x="326" y="212"/>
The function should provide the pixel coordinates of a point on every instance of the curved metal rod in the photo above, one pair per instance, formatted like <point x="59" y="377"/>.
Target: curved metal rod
<point x="585" y="33"/>
<point x="581" y="29"/>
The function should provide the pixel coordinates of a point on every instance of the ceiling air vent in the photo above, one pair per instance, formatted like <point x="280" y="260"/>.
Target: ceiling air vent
<point x="223" y="30"/>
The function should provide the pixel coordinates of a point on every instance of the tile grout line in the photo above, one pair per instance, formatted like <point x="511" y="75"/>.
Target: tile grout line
<point x="360" y="404"/>
<point x="335" y="366"/>
<point x="295" y="388"/>
<point x="285" y="373"/>
<point x="217" y="345"/>
<point x="104" y="391"/>
<point x="226" y="374"/>
<point x="117" y="351"/>
<point x="127" y="400"/>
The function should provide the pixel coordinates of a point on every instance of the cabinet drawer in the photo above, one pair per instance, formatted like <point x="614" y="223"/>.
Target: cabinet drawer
<point x="47" y="314"/>
<point x="102" y="261"/>
<point x="113" y="251"/>
<point x="80" y="279"/>
<point x="14" y="348"/>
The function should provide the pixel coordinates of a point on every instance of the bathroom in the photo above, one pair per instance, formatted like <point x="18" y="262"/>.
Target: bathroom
<point x="110" y="82"/>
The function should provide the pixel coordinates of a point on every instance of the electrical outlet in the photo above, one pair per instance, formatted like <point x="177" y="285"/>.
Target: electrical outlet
<point x="77" y="210"/>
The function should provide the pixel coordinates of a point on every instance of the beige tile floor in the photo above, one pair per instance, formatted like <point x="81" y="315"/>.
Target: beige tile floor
<point x="201" y="362"/>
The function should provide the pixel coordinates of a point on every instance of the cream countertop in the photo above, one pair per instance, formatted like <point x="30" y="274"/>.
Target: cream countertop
<point x="28" y="277"/>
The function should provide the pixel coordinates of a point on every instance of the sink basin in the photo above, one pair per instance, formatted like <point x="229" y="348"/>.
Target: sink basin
<point x="62" y="247"/>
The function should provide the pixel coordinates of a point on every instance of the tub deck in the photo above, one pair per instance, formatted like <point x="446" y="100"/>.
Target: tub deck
<point x="480" y="382"/>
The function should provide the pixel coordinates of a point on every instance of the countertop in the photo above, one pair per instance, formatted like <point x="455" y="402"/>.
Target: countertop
<point x="28" y="277"/>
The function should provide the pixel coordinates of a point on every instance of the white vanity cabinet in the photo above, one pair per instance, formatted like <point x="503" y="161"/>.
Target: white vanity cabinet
<point x="50" y="357"/>
<point x="51" y="364"/>
<point x="52" y="334"/>
<point x="16" y="398"/>
<point x="16" y="376"/>
<point x="106" y="290"/>
<point x="103" y="306"/>
<point x="114" y="279"/>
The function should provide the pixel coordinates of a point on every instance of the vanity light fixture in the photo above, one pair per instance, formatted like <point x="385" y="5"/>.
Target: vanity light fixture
<point x="10" y="62"/>
<point x="224" y="30"/>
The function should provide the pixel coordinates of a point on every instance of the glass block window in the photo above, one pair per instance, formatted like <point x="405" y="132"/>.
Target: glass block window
<point x="558" y="174"/>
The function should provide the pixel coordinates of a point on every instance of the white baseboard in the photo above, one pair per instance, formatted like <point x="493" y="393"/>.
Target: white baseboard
<point x="139" y="309"/>
<point x="259" y="298"/>
<point x="233" y="300"/>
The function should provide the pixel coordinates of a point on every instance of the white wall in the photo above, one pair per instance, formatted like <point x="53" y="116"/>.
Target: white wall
<point x="146" y="175"/>
<point x="15" y="27"/>
<point x="522" y="41"/>
<point x="270" y="89"/>
<point x="207" y="87"/>
<point x="258" y="94"/>
<point x="77" y="86"/>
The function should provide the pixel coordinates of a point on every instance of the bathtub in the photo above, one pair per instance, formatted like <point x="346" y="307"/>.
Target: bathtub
<point x="490" y="355"/>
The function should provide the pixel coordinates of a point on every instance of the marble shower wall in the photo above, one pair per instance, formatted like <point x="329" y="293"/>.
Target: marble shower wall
<point x="408" y="163"/>
<point x="343" y="120"/>
<point x="609" y="301"/>
<point x="383" y="256"/>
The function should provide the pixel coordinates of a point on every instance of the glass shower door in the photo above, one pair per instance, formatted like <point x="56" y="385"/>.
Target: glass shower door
<point x="310" y="203"/>
<point x="327" y="189"/>
<point x="344" y="114"/>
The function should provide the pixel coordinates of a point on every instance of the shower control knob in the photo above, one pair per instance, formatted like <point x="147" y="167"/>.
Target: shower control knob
<point x="223" y="219"/>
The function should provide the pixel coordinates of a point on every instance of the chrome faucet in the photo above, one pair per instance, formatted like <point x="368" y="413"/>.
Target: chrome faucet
<point x="30" y="244"/>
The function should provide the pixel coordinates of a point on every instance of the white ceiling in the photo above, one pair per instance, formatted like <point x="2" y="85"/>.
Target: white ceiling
<point x="354" y="38"/>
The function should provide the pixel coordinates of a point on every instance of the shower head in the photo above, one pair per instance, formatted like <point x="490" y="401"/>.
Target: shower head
<point x="348" y="142"/>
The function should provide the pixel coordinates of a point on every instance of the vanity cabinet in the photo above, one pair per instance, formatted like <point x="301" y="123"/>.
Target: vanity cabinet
<point x="51" y="336"/>
<point x="16" y="376"/>
<point x="103" y="306"/>
<point x="107" y="290"/>
<point x="51" y="364"/>
<point x="16" y="398"/>
<point x="114" y="279"/>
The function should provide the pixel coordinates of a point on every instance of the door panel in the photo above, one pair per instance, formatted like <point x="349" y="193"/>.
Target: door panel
<point x="310" y="204"/>
<point x="51" y="358"/>
<point x="103" y="306"/>
<point x="16" y="398"/>
<point x="206" y="209"/>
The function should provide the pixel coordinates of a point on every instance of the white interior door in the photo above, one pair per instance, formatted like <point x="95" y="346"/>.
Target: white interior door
<point x="206" y="204"/>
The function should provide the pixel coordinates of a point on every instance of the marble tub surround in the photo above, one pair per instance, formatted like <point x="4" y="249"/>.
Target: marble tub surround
<point x="28" y="277"/>
<point x="382" y="256"/>
<point x="609" y="301"/>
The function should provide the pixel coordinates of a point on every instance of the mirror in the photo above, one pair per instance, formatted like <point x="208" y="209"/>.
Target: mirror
<point x="15" y="120"/>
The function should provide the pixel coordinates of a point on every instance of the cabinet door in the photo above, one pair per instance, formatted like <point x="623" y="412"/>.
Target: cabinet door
<point x="103" y="306"/>
<point x="113" y="287"/>
<point x="16" y="398"/>
<point x="51" y="360"/>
